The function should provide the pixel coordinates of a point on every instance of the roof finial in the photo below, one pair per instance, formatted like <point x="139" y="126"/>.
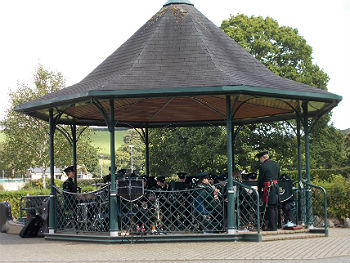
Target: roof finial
<point x="171" y="2"/>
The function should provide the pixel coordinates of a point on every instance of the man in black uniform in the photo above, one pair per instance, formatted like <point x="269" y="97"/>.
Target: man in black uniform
<point x="269" y="172"/>
<point x="69" y="185"/>
<point x="107" y="179"/>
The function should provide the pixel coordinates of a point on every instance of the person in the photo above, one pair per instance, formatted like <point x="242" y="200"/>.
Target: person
<point x="161" y="185"/>
<point x="207" y="205"/>
<point x="107" y="179"/>
<point x="269" y="172"/>
<point x="286" y="200"/>
<point x="121" y="173"/>
<point x="182" y="182"/>
<point x="69" y="185"/>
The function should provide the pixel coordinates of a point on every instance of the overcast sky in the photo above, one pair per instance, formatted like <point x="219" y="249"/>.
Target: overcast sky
<point x="74" y="36"/>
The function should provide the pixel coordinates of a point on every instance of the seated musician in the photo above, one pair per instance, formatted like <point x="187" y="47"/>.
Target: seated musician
<point x="182" y="182"/>
<point x="161" y="185"/>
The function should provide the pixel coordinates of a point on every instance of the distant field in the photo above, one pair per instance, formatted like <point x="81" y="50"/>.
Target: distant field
<point x="100" y="139"/>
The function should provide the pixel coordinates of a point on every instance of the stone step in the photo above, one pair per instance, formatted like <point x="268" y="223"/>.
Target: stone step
<point x="290" y="236"/>
<point x="284" y="232"/>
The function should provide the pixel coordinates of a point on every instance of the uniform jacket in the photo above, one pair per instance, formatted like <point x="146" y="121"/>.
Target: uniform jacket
<point x="269" y="171"/>
<point x="68" y="185"/>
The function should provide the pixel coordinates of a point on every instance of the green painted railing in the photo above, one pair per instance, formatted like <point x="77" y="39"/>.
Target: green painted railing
<point x="248" y="216"/>
<point x="31" y="204"/>
<point x="318" y="213"/>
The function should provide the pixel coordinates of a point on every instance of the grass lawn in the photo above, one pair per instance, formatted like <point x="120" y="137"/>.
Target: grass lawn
<point x="100" y="139"/>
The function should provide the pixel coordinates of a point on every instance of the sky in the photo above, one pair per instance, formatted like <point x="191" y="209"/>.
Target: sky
<point x="75" y="36"/>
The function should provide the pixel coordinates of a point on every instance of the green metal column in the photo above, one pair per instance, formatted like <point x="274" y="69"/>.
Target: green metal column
<point x="52" y="214"/>
<point x="113" y="204"/>
<point x="301" y="199"/>
<point x="307" y="167"/>
<point x="74" y="150"/>
<point x="147" y="151"/>
<point x="231" y="201"/>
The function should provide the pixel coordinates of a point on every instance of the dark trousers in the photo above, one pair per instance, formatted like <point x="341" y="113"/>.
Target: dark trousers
<point x="272" y="216"/>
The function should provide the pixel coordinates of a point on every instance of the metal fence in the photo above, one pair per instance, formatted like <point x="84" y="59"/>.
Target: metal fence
<point x="156" y="212"/>
<point x="317" y="210"/>
<point x="247" y="207"/>
<point x="30" y="205"/>
<point x="184" y="211"/>
<point x="82" y="212"/>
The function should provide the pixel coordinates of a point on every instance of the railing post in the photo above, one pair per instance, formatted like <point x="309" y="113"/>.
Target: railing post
<point x="52" y="214"/>
<point x="309" y="222"/>
<point x="325" y="212"/>
<point x="230" y="191"/>
<point x="301" y="201"/>
<point x="113" y="204"/>
<point x="147" y="151"/>
<point x="74" y="152"/>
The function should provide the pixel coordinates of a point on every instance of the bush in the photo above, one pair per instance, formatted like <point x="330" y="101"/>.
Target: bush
<point x="338" y="195"/>
<point x="39" y="184"/>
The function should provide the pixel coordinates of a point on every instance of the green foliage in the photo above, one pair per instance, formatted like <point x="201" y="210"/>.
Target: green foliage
<point x="338" y="195"/>
<point x="281" y="49"/>
<point x="14" y="197"/>
<point x="347" y="148"/>
<point x="38" y="184"/>
<point x="326" y="145"/>
<point x="89" y="182"/>
<point x="320" y="174"/>
<point x="193" y="150"/>
<point x="27" y="138"/>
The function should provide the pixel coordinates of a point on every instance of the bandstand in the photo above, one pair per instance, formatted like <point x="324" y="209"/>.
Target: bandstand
<point x="178" y="69"/>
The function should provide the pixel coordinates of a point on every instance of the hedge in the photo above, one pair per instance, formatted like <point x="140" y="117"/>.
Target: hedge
<point x="338" y="195"/>
<point x="321" y="174"/>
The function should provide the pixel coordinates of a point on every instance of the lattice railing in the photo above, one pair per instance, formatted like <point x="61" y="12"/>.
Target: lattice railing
<point x="159" y="212"/>
<point x="31" y="205"/>
<point x="247" y="207"/>
<point x="82" y="212"/>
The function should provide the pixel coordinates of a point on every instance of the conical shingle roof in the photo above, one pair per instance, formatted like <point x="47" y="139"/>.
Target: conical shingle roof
<point x="177" y="68"/>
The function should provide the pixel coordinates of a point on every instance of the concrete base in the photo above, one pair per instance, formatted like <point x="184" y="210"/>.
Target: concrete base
<point x="165" y="238"/>
<point x="114" y="233"/>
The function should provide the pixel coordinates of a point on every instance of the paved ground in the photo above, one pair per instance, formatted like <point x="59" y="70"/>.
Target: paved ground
<point x="335" y="248"/>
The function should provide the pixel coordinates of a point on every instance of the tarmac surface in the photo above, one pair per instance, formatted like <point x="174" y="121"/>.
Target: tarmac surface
<point x="333" y="249"/>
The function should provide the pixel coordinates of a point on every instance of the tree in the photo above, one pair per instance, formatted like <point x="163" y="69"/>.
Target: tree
<point x="347" y="148"/>
<point x="27" y="139"/>
<point x="192" y="150"/>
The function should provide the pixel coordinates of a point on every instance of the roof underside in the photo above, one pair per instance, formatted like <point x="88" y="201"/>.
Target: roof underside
<point x="178" y="69"/>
